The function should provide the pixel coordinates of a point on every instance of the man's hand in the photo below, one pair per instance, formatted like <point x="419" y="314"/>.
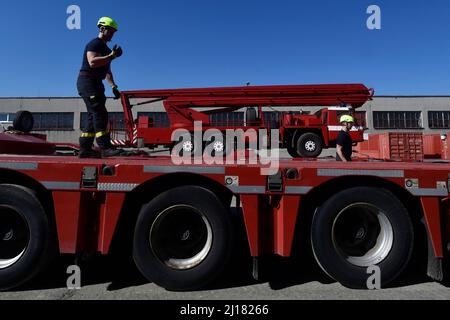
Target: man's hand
<point x="116" y="92"/>
<point x="116" y="52"/>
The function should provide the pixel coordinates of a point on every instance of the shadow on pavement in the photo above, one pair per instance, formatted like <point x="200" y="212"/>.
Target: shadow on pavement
<point x="94" y="271"/>
<point x="276" y="271"/>
<point x="279" y="273"/>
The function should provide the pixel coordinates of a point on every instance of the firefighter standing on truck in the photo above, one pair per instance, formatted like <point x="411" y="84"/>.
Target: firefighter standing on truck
<point x="344" y="142"/>
<point x="96" y="67"/>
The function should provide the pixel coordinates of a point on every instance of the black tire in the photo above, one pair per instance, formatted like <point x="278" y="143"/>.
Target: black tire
<point x="174" y="225"/>
<point x="358" y="228"/>
<point x="22" y="218"/>
<point x="309" y="145"/>
<point x="23" y="121"/>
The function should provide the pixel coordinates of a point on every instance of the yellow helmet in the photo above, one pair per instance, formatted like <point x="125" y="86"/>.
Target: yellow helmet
<point x="347" y="118"/>
<point x="107" y="22"/>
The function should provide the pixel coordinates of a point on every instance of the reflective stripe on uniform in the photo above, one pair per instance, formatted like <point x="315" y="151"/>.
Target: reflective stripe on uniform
<point x="87" y="135"/>
<point x="101" y="134"/>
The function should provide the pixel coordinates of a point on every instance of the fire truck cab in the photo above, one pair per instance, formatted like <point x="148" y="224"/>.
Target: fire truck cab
<point x="306" y="135"/>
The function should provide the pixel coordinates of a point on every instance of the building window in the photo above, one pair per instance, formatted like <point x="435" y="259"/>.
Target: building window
<point x="116" y="121"/>
<point x="7" y="117"/>
<point x="397" y="120"/>
<point x="227" y="119"/>
<point x="439" y="119"/>
<point x="156" y="119"/>
<point x="53" y="121"/>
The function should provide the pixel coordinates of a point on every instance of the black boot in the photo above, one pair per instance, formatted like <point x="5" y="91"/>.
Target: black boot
<point x="104" y="142"/>
<point x="86" y="148"/>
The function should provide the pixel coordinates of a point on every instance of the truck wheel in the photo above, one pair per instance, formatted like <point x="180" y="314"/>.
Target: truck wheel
<point x="182" y="238"/>
<point x="25" y="236"/>
<point x="188" y="147"/>
<point x="309" y="145"/>
<point x="218" y="148"/>
<point x="359" y="228"/>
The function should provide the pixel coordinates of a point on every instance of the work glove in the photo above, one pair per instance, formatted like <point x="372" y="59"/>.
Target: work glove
<point x="116" y="92"/>
<point x="116" y="52"/>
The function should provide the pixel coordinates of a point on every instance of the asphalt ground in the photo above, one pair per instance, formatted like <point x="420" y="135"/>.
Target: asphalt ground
<point x="282" y="279"/>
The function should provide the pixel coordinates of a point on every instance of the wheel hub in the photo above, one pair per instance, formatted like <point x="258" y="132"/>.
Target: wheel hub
<point x="8" y="235"/>
<point x="188" y="146"/>
<point x="181" y="237"/>
<point x="218" y="146"/>
<point x="14" y="235"/>
<point x="185" y="236"/>
<point x="310" y="146"/>
<point x="362" y="234"/>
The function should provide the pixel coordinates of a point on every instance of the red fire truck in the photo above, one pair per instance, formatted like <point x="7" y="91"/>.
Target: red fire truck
<point x="303" y="135"/>
<point x="176" y="219"/>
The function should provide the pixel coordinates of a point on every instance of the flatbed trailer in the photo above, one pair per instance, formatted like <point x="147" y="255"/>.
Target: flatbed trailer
<point x="176" y="219"/>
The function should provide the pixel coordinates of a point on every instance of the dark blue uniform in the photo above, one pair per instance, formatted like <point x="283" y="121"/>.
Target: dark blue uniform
<point x="346" y="142"/>
<point x="91" y="89"/>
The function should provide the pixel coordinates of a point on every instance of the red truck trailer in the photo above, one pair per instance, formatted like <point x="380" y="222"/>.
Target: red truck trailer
<point x="176" y="218"/>
<point x="303" y="135"/>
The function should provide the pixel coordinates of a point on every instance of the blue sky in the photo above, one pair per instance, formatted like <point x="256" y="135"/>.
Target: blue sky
<point x="198" y="43"/>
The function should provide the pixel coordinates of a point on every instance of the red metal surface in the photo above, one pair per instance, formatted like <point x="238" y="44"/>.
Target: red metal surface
<point x="326" y="135"/>
<point x="285" y="218"/>
<point x="25" y="144"/>
<point x="68" y="215"/>
<point x="251" y="205"/>
<point x="433" y="221"/>
<point x="87" y="218"/>
<point x="109" y="216"/>
<point x="393" y="146"/>
<point x="432" y="146"/>
<point x="356" y="94"/>
<point x="128" y="117"/>
<point x="401" y="146"/>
